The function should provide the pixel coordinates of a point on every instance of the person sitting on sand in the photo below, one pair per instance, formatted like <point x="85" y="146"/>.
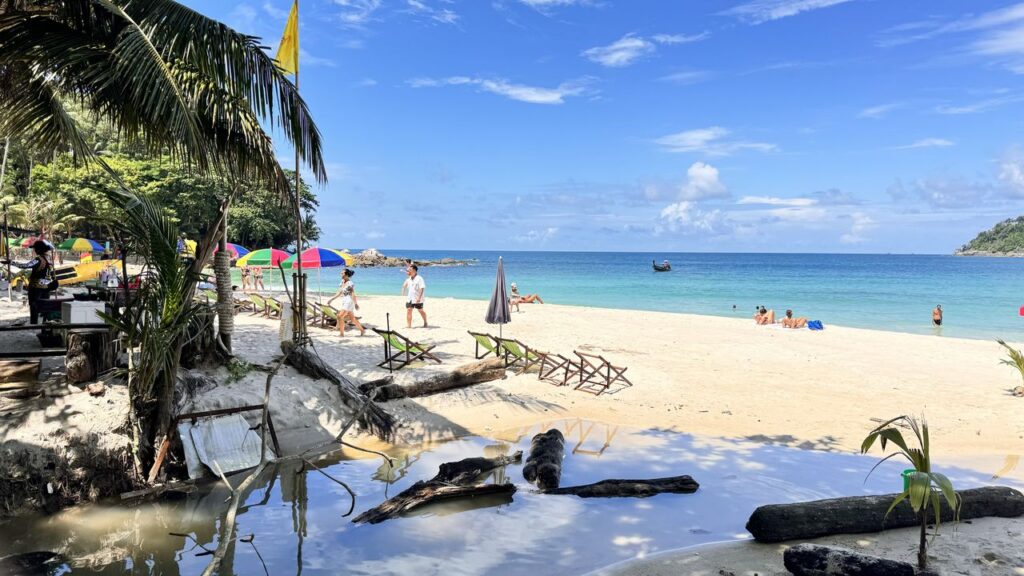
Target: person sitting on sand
<point x="762" y="316"/>
<point x="518" y="298"/>
<point x="790" y="322"/>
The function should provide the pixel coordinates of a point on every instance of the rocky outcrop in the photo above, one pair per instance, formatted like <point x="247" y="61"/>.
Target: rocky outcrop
<point x="372" y="258"/>
<point x="986" y="253"/>
<point x="813" y="560"/>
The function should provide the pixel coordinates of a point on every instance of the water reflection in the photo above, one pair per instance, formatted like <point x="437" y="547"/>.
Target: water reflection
<point x="293" y="520"/>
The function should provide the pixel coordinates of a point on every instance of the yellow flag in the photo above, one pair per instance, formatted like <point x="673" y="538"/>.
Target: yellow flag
<point x="288" y="51"/>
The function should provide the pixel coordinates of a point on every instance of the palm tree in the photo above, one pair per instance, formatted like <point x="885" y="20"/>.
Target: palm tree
<point x="47" y="214"/>
<point x="168" y="80"/>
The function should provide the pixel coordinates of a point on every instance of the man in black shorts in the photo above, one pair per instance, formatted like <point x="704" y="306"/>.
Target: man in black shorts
<point x="414" y="290"/>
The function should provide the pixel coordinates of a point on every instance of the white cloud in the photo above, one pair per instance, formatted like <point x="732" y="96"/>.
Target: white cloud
<point x="712" y="141"/>
<point x="702" y="183"/>
<point x="760" y="11"/>
<point x="980" y="106"/>
<point x="687" y="77"/>
<point x="367" y="82"/>
<point x="880" y="111"/>
<point x="927" y="143"/>
<point x="680" y="38"/>
<point x="357" y="11"/>
<point x="552" y="3"/>
<point x="537" y="236"/>
<point x="622" y="52"/>
<point x="860" y="223"/>
<point x="631" y="48"/>
<point x="520" y="92"/>
<point x="443" y="15"/>
<point x="374" y="235"/>
<point x="686" y="216"/>
<point x="776" y="201"/>
<point x="1011" y="171"/>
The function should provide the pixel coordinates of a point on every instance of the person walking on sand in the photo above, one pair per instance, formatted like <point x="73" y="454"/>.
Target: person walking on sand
<point x="349" y="303"/>
<point x="257" y="279"/>
<point x="937" y="315"/>
<point x="413" y="289"/>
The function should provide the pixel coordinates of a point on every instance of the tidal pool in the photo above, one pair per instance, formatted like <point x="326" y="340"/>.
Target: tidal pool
<point x="295" y="516"/>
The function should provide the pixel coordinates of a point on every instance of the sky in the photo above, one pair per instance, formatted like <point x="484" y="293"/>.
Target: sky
<point x="869" y="126"/>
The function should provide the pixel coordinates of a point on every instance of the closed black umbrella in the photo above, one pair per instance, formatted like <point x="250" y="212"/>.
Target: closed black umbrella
<point x="498" y="311"/>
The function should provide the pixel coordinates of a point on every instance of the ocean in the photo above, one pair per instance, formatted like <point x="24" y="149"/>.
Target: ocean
<point x="980" y="296"/>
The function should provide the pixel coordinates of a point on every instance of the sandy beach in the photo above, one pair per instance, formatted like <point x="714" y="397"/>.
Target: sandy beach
<point x="698" y="374"/>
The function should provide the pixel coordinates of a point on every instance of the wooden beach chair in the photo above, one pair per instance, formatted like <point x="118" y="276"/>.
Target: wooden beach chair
<point x="400" y="351"/>
<point x="259" y="305"/>
<point x="518" y="354"/>
<point x="274" y="308"/>
<point x="487" y="342"/>
<point x="316" y="315"/>
<point x="552" y="364"/>
<point x="243" y="305"/>
<point x="330" y="315"/>
<point x="597" y="373"/>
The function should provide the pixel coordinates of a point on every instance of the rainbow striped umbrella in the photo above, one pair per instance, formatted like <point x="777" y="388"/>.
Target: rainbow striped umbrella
<point x="235" y="249"/>
<point x="14" y="242"/>
<point x="80" y="245"/>
<point x="263" y="257"/>
<point x="28" y="242"/>
<point x="317" y="257"/>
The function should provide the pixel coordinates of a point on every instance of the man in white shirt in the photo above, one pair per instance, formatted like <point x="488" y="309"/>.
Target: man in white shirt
<point x="414" y="290"/>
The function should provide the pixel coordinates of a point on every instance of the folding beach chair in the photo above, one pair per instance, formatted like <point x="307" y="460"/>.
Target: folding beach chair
<point x="316" y="315"/>
<point x="552" y="364"/>
<point x="330" y="315"/>
<point x="487" y="342"/>
<point x="399" y="351"/>
<point x="597" y="373"/>
<point x="517" y="353"/>
<point x="259" y="305"/>
<point x="273" y="308"/>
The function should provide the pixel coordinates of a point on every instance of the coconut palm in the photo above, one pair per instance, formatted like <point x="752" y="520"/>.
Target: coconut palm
<point x="47" y="214"/>
<point x="168" y="80"/>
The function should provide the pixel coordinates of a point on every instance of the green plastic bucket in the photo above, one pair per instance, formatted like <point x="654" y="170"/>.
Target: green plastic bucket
<point x="906" y="478"/>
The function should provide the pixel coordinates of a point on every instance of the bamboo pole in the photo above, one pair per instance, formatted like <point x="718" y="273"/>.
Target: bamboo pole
<point x="299" y="304"/>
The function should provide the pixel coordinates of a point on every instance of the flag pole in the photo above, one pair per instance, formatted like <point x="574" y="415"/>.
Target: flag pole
<point x="299" y="305"/>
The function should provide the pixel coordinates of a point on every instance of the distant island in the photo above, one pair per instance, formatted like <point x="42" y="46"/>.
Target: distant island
<point x="1003" y="239"/>
<point x="372" y="258"/>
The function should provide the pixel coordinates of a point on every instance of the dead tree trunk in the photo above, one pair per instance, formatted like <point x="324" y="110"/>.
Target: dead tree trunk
<point x="862" y="514"/>
<point x="90" y="352"/>
<point x="374" y="418"/>
<point x="19" y="370"/>
<point x="544" y="465"/>
<point x="465" y="375"/>
<point x="631" y="488"/>
<point x="453" y="480"/>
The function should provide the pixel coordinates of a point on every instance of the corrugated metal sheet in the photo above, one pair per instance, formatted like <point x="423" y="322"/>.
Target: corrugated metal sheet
<point x="224" y="444"/>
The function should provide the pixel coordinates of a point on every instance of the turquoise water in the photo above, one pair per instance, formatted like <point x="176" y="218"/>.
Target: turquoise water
<point x="980" y="296"/>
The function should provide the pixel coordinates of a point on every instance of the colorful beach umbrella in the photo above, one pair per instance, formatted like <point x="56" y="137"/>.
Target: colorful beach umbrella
<point x="12" y="242"/>
<point x="317" y="257"/>
<point x="236" y="250"/>
<point x="80" y="245"/>
<point x="187" y="247"/>
<point x="28" y="242"/>
<point x="1022" y="310"/>
<point x="263" y="257"/>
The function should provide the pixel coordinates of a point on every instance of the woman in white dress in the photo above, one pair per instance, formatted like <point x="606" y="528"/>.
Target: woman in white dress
<point x="349" y="303"/>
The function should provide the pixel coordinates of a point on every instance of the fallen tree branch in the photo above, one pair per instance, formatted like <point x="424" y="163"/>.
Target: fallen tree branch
<point x="465" y="375"/>
<point x="453" y="480"/>
<point x="631" y="488"/>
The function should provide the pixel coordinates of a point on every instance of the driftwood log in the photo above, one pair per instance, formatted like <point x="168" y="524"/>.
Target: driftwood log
<point x="90" y="352"/>
<point x="631" y="488"/>
<point x="453" y="480"/>
<point x="465" y="375"/>
<point x="19" y="370"/>
<point x="375" y="419"/>
<point x="814" y="560"/>
<point x="863" y="514"/>
<point x="544" y="465"/>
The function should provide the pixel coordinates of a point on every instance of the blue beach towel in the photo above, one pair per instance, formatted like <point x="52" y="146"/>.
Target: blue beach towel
<point x="815" y="325"/>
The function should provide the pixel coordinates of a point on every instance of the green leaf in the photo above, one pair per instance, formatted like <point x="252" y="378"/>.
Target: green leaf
<point x="920" y="489"/>
<point x="902" y="496"/>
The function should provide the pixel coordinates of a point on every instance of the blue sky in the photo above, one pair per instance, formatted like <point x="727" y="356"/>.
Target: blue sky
<point x="700" y="125"/>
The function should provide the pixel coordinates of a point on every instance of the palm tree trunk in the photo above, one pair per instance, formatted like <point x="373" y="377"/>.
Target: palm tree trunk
<point x="225" y="301"/>
<point x="922" y="551"/>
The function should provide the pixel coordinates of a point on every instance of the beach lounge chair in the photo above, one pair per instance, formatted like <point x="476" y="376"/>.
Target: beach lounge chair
<point x="487" y="342"/>
<point x="273" y="308"/>
<point x="517" y="353"/>
<point x="399" y="351"/>
<point x="243" y="305"/>
<point x="597" y="373"/>
<point x="316" y="315"/>
<point x="259" y="305"/>
<point x="552" y="364"/>
<point x="330" y="315"/>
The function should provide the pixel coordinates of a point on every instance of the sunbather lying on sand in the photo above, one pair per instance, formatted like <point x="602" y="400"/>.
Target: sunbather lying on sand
<point x="790" y="322"/>
<point x="520" y="299"/>
<point x="763" y="316"/>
